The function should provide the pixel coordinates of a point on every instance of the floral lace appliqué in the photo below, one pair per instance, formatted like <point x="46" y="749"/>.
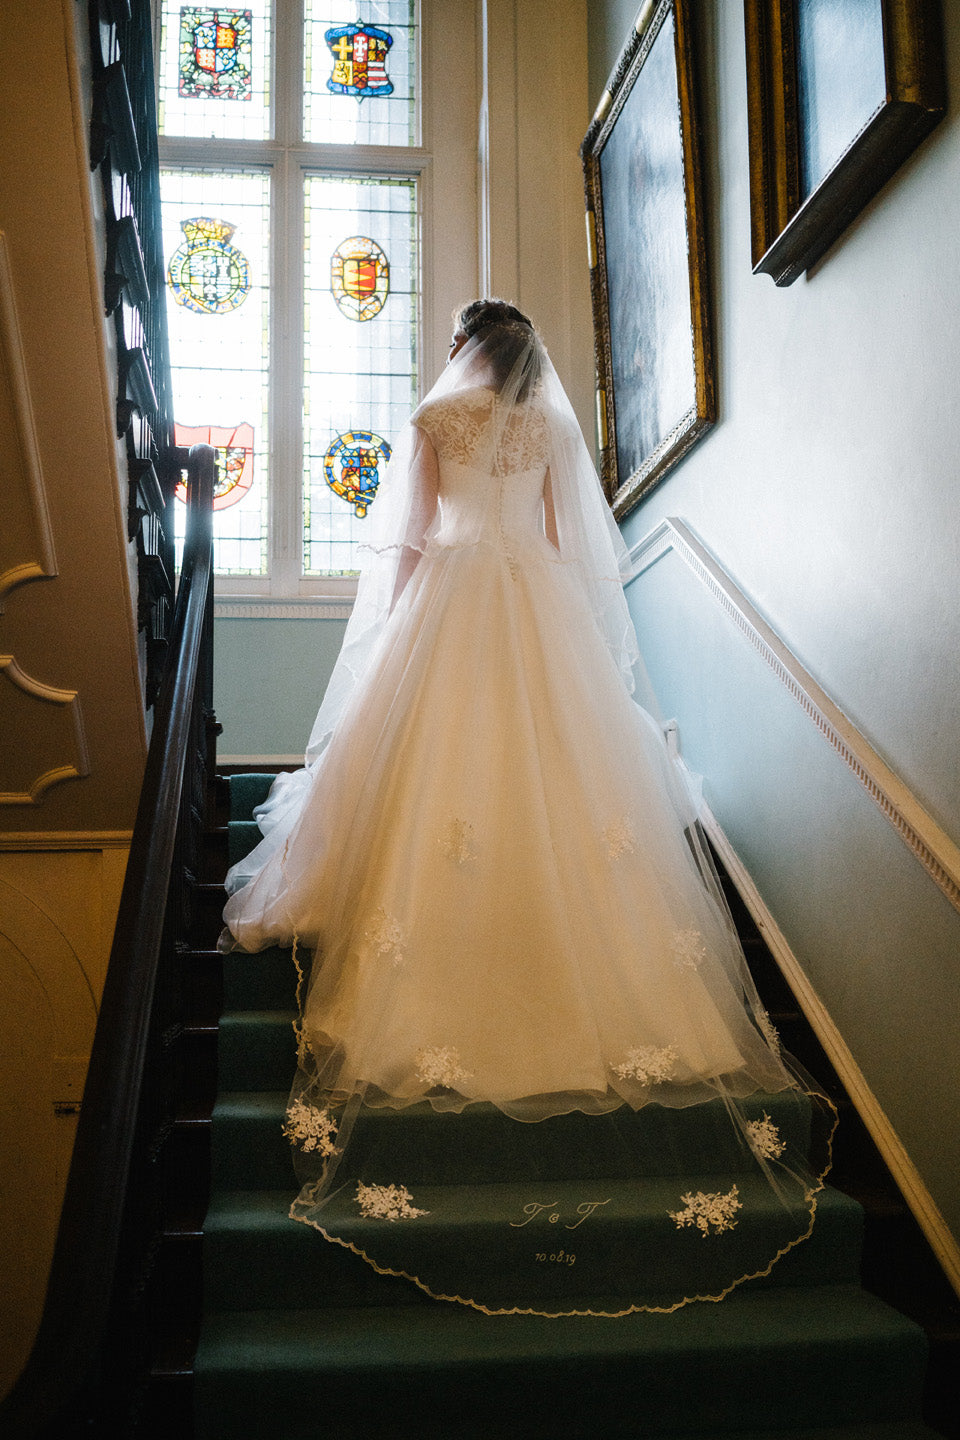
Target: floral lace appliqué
<point x="457" y="842"/>
<point x="619" y="839"/>
<point x="710" y="1212"/>
<point x="441" y="1066"/>
<point x="647" y="1063"/>
<point x="767" y="1029"/>
<point x="764" y="1139"/>
<point x="386" y="1202"/>
<point x="385" y="935"/>
<point x="310" y="1128"/>
<point x="689" y="949"/>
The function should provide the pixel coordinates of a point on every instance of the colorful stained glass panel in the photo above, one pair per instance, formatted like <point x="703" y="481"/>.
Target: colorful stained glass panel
<point x="360" y="381"/>
<point x="206" y="273"/>
<point x="360" y="79"/>
<point x="216" y="53"/>
<point x="359" y="61"/>
<point x="215" y="64"/>
<point x="233" y="459"/>
<point x="359" y="278"/>
<point x="352" y="468"/>
<point x="220" y="359"/>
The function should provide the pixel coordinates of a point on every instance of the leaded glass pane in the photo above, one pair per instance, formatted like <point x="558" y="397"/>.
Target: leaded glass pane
<point x="215" y="70"/>
<point x="216" y="234"/>
<point x="360" y="74"/>
<point x="360" y="358"/>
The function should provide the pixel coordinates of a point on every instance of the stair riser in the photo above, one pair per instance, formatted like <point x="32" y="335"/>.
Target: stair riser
<point x="242" y="837"/>
<point x="267" y="981"/>
<point x="250" y="1152"/>
<point x="482" y="1144"/>
<point x="255" y="1054"/>
<point x="248" y="791"/>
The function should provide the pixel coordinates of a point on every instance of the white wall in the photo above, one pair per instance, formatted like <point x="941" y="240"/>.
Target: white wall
<point x="828" y="490"/>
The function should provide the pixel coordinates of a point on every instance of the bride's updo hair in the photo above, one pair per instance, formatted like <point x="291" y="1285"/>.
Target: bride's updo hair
<point x="509" y="337"/>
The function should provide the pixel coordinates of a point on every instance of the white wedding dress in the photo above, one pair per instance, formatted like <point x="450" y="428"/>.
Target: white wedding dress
<point x="493" y="858"/>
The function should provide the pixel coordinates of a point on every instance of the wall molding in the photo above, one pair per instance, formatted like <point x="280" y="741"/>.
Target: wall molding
<point x="916" y="827"/>
<point x="316" y="607"/>
<point x="58" y="840"/>
<point x="43" y="736"/>
<point x="27" y="513"/>
<point x="882" y="1132"/>
<point x="255" y="760"/>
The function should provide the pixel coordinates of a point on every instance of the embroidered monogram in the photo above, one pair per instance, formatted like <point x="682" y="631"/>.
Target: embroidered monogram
<point x="310" y="1128"/>
<point x="620" y="839"/>
<point x="440" y="1066"/>
<point x="764" y="1139"/>
<point x="457" y="842"/>
<point x="386" y="1202"/>
<point x="647" y="1063"/>
<point x="711" y="1212"/>
<point x="385" y="935"/>
<point x="689" y="949"/>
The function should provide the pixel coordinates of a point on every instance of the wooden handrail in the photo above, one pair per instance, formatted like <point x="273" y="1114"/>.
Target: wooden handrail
<point x="67" y="1353"/>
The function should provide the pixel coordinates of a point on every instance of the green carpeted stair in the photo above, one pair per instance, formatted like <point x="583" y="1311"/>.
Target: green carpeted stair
<point x="302" y="1340"/>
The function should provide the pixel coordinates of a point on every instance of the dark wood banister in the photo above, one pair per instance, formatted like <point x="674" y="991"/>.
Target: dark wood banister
<point x="66" y="1354"/>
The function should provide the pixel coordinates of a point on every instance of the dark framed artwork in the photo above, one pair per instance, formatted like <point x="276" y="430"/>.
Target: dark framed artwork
<point x="655" y="388"/>
<point x="839" y="93"/>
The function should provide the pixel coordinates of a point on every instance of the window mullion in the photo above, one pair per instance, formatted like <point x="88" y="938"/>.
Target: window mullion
<point x="286" y="419"/>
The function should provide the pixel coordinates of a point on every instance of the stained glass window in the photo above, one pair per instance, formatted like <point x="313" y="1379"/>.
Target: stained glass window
<point x="215" y="70"/>
<point x="360" y="376"/>
<point x="216" y="240"/>
<point x="360" y="78"/>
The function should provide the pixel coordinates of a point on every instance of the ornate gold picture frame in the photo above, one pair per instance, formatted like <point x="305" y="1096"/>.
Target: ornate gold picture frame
<point x="647" y="253"/>
<point x="838" y="96"/>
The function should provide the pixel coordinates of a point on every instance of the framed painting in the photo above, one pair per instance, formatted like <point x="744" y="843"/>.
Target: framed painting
<point x="839" y="93"/>
<point x="655" y="386"/>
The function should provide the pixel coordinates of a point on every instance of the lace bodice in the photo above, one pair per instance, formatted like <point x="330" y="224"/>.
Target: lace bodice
<point x="463" y="428"/>
<point x="493" y="463"/>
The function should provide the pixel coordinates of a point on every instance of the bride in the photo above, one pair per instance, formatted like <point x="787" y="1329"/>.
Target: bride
<point x="497" y="867"/>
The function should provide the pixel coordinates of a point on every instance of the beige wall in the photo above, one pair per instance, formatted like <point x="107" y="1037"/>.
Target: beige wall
<point x="71" y="629"/>
<point x="57" y="911"/>
<point x="72" y="730"/>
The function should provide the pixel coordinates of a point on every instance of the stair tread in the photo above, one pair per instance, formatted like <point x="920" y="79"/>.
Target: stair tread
<point x="257" y="1017"/>
<point x="897" y="1430"/>
<point x="259" y="1102"/>
<point x="828" y="1355"/>
<point x="425" y="1337"/>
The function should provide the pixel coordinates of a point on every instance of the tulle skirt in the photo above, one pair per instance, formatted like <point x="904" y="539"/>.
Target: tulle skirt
<point x="496" y="868"/>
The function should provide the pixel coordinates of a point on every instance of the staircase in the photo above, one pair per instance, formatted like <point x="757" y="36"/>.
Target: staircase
<point x="300" y="1338"/>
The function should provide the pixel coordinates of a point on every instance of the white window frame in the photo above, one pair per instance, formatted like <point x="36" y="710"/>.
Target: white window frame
<point x="444" y="164"/>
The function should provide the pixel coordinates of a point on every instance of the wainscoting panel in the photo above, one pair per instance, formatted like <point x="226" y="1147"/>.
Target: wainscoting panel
<point x="874" y="939"/>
